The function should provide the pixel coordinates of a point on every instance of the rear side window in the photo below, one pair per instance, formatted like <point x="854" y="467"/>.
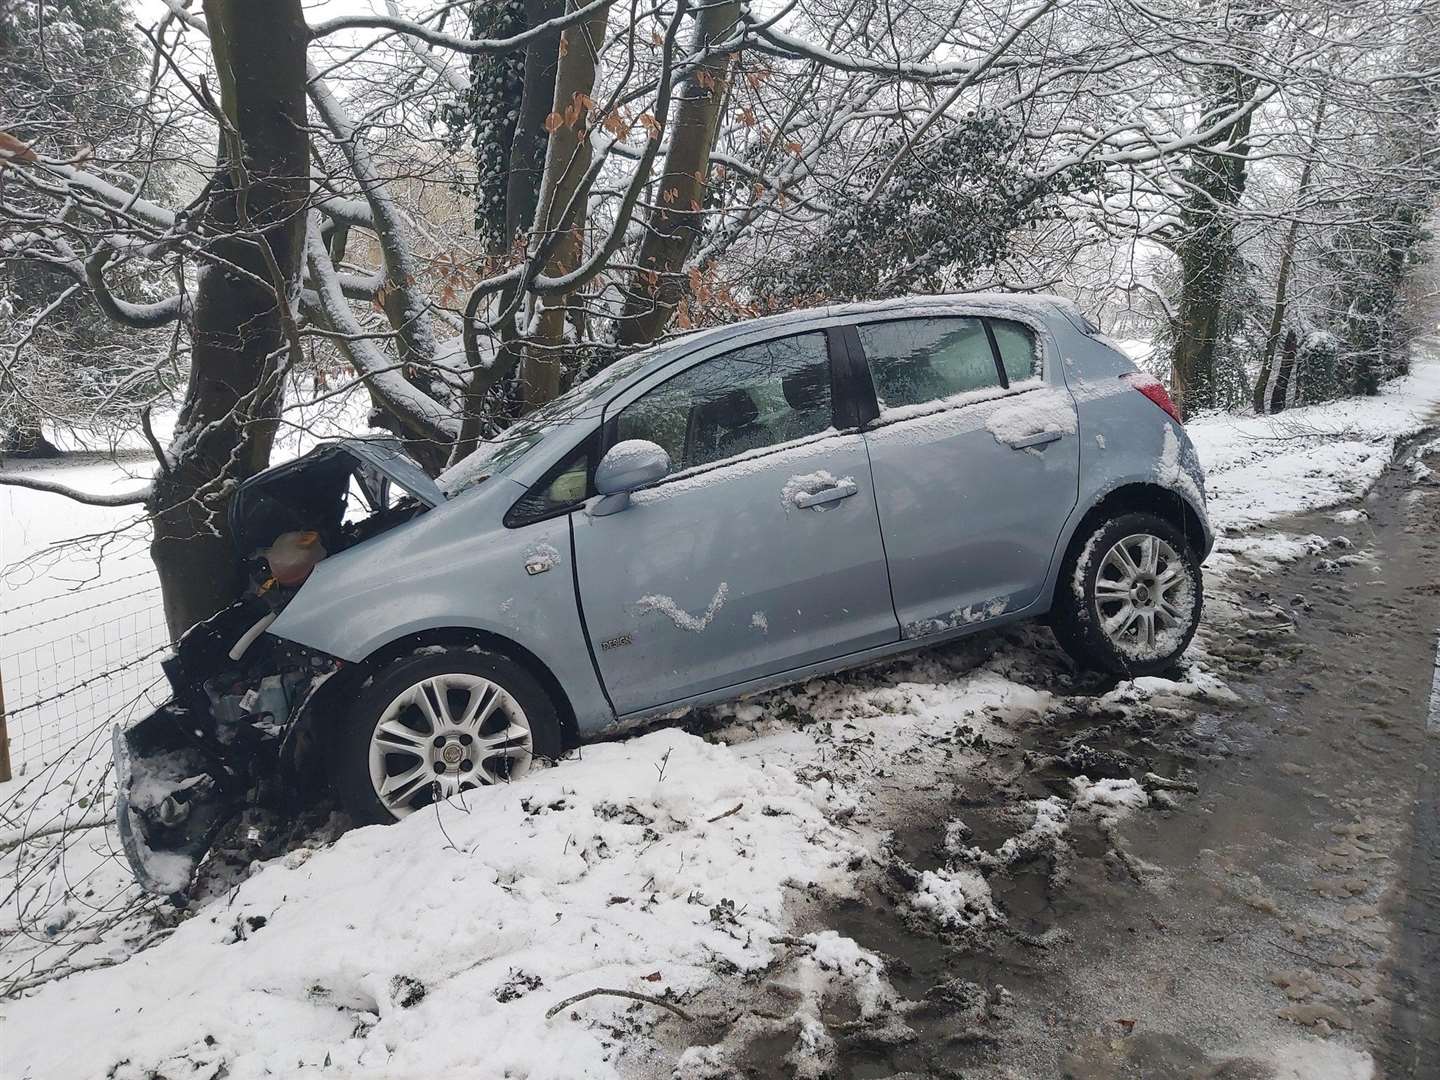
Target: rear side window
<point x="1019" y="354"/>
<point x="758" y="396"/>
<point x="913" y="361"/>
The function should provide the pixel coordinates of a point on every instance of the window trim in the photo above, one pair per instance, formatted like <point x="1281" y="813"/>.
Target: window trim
<point x="869" y="405"/>
<point x="844" y="401"/>
<point x="995" y="355"/>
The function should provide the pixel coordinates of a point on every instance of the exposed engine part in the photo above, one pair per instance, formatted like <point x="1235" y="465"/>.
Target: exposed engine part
<point x="294" y="555"/>
<point x="247" y="639"/>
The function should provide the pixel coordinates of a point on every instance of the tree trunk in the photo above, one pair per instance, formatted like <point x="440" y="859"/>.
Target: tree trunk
<point x="527" y="153"/>
<point x="231" y="408"/>
<point x="658" y="285"/>
<point x="26" y="441"/>
<point x="567" y="159"/>
<point x="1215" y="182"/>
<point x="1287" y="261"/>
<point x="1287" y="369"/>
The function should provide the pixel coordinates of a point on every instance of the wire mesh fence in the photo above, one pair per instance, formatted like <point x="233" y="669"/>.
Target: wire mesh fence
<point x="82" y="654"/>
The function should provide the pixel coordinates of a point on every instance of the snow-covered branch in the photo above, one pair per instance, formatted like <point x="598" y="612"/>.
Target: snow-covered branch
<point x="468" y="46"/>
<point x="90" y="498"/>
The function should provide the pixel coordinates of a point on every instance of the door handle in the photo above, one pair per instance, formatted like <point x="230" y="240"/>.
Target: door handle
<point x="1040" y="438"/>
<point x="842" y="490"/>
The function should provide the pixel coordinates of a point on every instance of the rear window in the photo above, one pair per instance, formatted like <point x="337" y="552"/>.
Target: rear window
<point x="913" y="361"/>
<point x="1018" y="351"/>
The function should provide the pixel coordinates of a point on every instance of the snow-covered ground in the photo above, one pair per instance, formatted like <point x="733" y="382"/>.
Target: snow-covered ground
<point x="1259" y="468"/>
<point x="654" y="866"/>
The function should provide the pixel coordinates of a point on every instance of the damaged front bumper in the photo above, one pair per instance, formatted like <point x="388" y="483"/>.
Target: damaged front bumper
<point x="231" y="736"/>
<point x="225" y="742"/>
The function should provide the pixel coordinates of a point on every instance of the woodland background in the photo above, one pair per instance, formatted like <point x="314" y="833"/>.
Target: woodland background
<point x="221" y="213"/>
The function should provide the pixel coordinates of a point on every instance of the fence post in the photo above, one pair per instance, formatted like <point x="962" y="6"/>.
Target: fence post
<point x="4" y="736"/>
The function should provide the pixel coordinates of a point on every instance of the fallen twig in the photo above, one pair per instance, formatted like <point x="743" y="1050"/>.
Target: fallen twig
<point x="647" y="998"/>
<point x="733" y="810"/>
<point x="1164" y="783"/>
<point x="16" y="986"/>
<point x="1112" y="836"/>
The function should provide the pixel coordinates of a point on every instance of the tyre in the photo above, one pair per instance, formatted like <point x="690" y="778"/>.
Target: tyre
<point x="435" y="723"/>
<point x="1129" y="596"/>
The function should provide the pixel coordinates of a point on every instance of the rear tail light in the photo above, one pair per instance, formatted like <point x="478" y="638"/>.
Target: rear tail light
<point x="1154" y="389"/>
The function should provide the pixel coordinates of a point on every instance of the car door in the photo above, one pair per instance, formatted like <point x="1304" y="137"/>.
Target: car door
<point x="975" y="459"/>
<point x="760" y="553"/>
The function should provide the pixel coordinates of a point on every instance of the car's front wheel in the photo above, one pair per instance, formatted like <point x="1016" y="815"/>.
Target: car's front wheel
<point x="435" y="723"/>
<point x="1129" y="596"/>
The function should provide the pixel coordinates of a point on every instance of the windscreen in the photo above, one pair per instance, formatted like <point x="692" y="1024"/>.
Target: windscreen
<point x="496" y="456"/>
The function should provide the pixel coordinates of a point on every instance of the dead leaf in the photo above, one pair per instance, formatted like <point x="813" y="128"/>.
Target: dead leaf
<point x="1298" y="985"/>
<point x="654" y="976"/>
<point x="1317" y="1016"/>
<point x="14" y="149"/>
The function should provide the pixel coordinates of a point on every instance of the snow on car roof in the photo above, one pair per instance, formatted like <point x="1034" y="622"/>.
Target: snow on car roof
<point x="1036" y="303"/>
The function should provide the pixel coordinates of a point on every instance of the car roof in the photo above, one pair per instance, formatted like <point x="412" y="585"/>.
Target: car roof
<point x="1039" y="304"/>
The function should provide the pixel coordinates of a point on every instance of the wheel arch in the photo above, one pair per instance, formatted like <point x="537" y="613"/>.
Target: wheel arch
<point x="322" y="706"/>
<point x="1143" y="497"/>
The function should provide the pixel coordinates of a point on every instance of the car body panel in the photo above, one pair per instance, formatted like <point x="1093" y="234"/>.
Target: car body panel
<point x="969" y="513"/>
<point x="456" y="567"/>
<point x="717" y="577"/>
<point x="1125" y="438"/>
<point x="387" y="458"/>
<point x="831" y="666"/>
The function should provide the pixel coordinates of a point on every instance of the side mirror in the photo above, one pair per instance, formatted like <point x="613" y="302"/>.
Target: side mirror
<point x="627" y="466"/>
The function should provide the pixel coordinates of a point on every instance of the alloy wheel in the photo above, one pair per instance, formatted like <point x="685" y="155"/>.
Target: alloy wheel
<point x="1142" y="595"/>
<point x="447" y="734"/>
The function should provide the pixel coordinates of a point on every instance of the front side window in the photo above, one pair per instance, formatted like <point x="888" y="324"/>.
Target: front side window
<point x="913" y="361"/>
<point x="758" y="396"/>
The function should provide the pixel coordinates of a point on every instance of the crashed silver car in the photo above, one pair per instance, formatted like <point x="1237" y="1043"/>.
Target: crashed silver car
<point x="735" y="510"/>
